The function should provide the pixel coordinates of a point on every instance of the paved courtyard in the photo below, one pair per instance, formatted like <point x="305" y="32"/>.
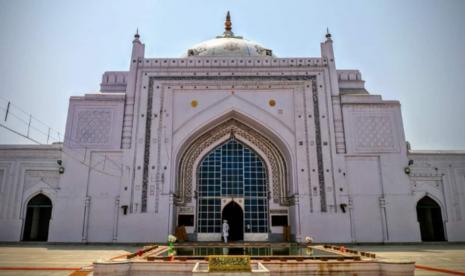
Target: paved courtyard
<point x="69" y="256"/>
<point x="448" y="256"/>
<point x="45" y="256"/>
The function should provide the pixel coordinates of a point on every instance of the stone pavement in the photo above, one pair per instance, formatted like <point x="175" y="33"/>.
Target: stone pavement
<point x="450" y="256"/>
<point x="64" y="256"/>
<point x="68" y="256"/>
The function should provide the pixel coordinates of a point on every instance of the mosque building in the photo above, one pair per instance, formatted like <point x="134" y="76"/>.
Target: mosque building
<point x="232" y="132"/>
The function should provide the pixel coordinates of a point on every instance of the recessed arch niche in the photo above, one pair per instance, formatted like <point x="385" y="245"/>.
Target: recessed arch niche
<point x="193" y="151"/>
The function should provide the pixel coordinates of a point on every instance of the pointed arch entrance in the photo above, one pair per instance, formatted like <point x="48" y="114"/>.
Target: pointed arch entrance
<point x="234" y="215"/>
<point x="189" y="154"/>
<point x="430" y="220"/>
<point x="38" y="214"/>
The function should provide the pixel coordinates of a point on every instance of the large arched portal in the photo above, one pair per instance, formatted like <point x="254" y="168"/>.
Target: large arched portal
<point x="279" y="182"/>
<point x="38" y="213"/>
<point x="232" y="170"/>
<point x="430" y="219"/>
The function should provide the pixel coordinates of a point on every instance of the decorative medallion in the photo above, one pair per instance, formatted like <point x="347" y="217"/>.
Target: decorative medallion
<point x="194" y="103"/>
<point x="272" y="102"/>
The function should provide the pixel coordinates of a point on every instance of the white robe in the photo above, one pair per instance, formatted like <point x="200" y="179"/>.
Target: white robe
<point x="225" y="229"/>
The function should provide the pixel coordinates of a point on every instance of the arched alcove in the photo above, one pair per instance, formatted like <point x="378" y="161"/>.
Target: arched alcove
<point x="38" y="214"/>
<point x="430" y="220"/>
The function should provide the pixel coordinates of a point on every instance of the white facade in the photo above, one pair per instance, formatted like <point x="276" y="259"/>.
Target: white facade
<point x="335" y="156"/>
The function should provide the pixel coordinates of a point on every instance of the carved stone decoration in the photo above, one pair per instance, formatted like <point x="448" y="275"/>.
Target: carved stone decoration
<point x="319" y="151"/>
<point x="148" y="131"/>
<point x="159" y="176"/>
<point x="375" y="133"/>
<point x="277" y="164"/>
<point x="93" y="127"/>
<point x="307" y="150"/>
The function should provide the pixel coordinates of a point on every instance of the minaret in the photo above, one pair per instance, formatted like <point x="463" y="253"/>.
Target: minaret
<point x="327" y="47"/>
<point x="128" y="140"/>
<point x="137" y="57"/>
<point x="138" y="50"/>
<point x="328" y="53"/>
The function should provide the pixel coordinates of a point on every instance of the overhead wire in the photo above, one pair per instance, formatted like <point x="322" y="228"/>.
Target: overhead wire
<point x="68" y="152"/>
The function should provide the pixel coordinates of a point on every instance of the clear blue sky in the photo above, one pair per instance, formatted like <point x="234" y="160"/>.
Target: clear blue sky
<point x="411" y="51"/>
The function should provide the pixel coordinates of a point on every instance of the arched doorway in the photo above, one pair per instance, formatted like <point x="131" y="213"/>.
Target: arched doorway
<point x="38" y="213"/>
<point x="430" y="219"/>
<point x="232" y="170"/>
<point x="235" y="217"/>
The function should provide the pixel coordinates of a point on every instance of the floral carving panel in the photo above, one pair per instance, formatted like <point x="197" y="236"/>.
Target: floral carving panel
<point x="375" y="133"/>
<point x="93" y="127"/>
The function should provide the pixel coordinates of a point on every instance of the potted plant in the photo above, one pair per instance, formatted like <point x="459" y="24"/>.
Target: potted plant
<point x="171" y="251"/>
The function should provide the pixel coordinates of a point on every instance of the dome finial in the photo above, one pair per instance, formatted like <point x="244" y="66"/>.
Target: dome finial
<point x="136" y="35"/>
<point x="328" y="34"/>
<point x="228" y="26"/>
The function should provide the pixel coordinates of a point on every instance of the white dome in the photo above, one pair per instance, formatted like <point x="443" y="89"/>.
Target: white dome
<point x="229" y="46"/>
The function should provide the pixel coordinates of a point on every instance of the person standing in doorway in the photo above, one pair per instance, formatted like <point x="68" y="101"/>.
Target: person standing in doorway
<point x="225" y="231"/>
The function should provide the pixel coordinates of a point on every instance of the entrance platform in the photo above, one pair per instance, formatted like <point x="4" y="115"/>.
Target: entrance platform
<point x="267" y="259"/>
<point x="37" y="258"/>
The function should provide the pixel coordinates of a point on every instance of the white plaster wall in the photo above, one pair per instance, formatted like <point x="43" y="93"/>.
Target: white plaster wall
<point x="104" y="189"/>
<point x="326" y="227"/>
<point x="375" y="137"/>
<point x="441" y="176"/>
<point x="364" y="185"/>
<point x="398" y="200"/>
<point x="90" y="184"/>
<point x="67" y="225"/>
<point x="25" y="171"/>
<point x="92" y="177"/>
<point x="147" y="227"/>
<point x="283" y="109"/>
